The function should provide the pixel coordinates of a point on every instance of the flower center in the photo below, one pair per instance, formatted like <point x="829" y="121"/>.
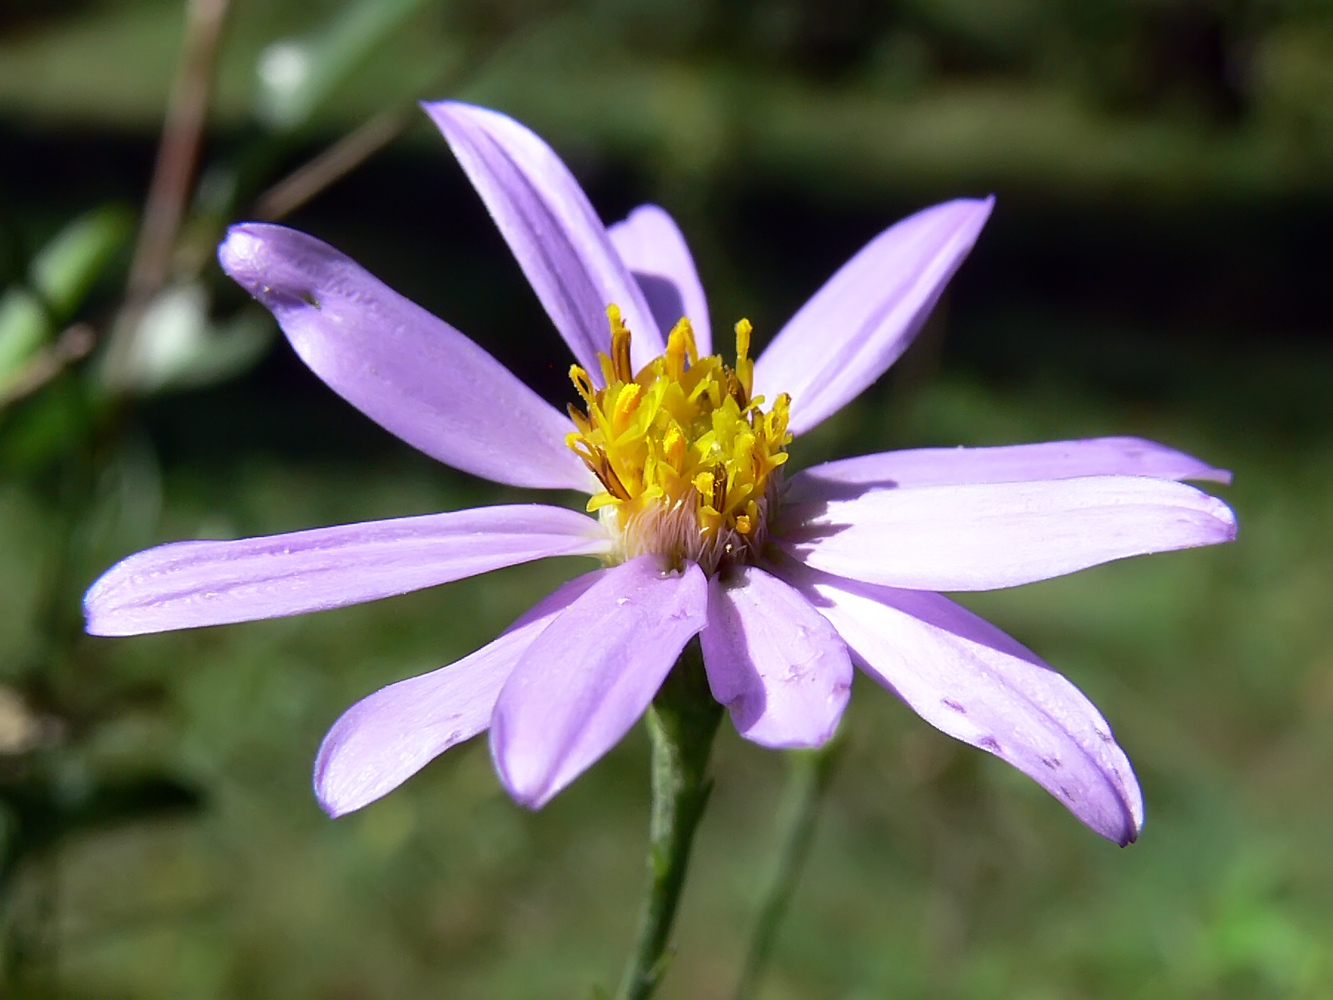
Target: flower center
<point x="687" y="459"/>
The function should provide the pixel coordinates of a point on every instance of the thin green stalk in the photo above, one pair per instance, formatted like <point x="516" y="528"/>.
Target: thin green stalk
<point x="681" y="724"/>
<point x="808" y="780"/>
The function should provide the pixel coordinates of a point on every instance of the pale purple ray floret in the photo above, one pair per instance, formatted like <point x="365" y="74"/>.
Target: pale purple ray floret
<point x="856" y="552"/>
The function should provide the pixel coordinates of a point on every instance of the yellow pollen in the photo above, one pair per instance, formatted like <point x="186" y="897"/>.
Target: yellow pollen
<point x="685" y="454"/>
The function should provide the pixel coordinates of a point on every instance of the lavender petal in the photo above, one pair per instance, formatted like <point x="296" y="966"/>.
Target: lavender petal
<point x="990" y="535"/>
<point x="653" y="248"/>
<point x="387" y="737"/>
<point x="1111" y="456"/>
<point x="410" y="372"/>
<point x="553" y="231"/>
<point x="593" y="672"/>
<point x="187" y="584"/>
<point x="774" y="661"/>
<point x="864" y="317"/>
<point x="970" y="680"/>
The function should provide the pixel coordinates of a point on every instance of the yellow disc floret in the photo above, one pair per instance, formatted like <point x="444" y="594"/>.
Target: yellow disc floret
<point x="687" y="458"/>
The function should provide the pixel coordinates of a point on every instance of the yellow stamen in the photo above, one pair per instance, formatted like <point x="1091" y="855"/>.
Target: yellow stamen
<point x="620" y="368"/>
<point x="744" y="366"/>
<point x="685" y="454"/>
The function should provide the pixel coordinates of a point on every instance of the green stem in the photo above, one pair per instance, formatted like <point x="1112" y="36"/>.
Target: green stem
<point x="681" y="724"/>
<point x="809" y="778"/>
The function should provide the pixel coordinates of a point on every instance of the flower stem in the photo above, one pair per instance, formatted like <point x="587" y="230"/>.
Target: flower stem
<point x="808" y="780"/>
<point x="681" y="724"/>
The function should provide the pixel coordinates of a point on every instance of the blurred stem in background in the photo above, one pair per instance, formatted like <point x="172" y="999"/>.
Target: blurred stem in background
<point x="810" y="772"/>
<point x="336" y="162"/>
<point x="173" y="173"/>
<point x="178" y="152"/>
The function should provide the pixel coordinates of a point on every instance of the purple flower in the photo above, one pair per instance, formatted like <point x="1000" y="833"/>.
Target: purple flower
<point x="787" y="583"/>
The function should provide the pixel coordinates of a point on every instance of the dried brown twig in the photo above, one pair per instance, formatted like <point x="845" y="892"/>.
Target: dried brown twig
<point x="173" y="174"/>
<point x="332" y="164"/>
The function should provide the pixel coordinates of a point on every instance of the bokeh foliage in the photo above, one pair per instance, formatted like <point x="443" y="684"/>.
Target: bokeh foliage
<point x="1155" y="267"/>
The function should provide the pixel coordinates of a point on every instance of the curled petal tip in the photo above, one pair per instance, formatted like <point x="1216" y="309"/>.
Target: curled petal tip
<point x="241" y="253"/>
<point x="335" y="783"/>
<point x="331" y="795"/>
<point x="92" y="621"/>
<point x="1132" y="800"/>
<point x="980" y="214"/>
<point x="329" y="805"/>
<point x="1227" y="517"/>
<point x="267" y="261"/>
<point x="978" y="209"/>
<point x="984" y="206"/>
<point x="103" y="606"/>
<point x="532" y="799"/>
<point x="517" y="782"/>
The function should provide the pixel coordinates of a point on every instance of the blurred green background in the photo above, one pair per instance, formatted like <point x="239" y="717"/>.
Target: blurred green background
<point x="1157" y="264"/>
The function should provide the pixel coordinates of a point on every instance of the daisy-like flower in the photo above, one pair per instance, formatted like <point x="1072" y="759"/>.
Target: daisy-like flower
<point x="787" y="581"/>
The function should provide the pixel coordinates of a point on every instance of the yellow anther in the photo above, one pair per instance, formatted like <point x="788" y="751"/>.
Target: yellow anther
<point x="744" y="366"/>
<point x="626" y="403"/>
<point x="680" y="349"/>
<point x="583" y="385"/>
<point x="703" y="483"/>
<point x="617" y="323"/>
<point x="621" y="369"/>
<point x="673" y="447"/>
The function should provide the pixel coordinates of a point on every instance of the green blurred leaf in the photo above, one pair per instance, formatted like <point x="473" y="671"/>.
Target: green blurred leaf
<point x="297" y="74"/>
<point x="24" y="327"/>
<point x="66" y="268"/>
<point x="39" y="430"/>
